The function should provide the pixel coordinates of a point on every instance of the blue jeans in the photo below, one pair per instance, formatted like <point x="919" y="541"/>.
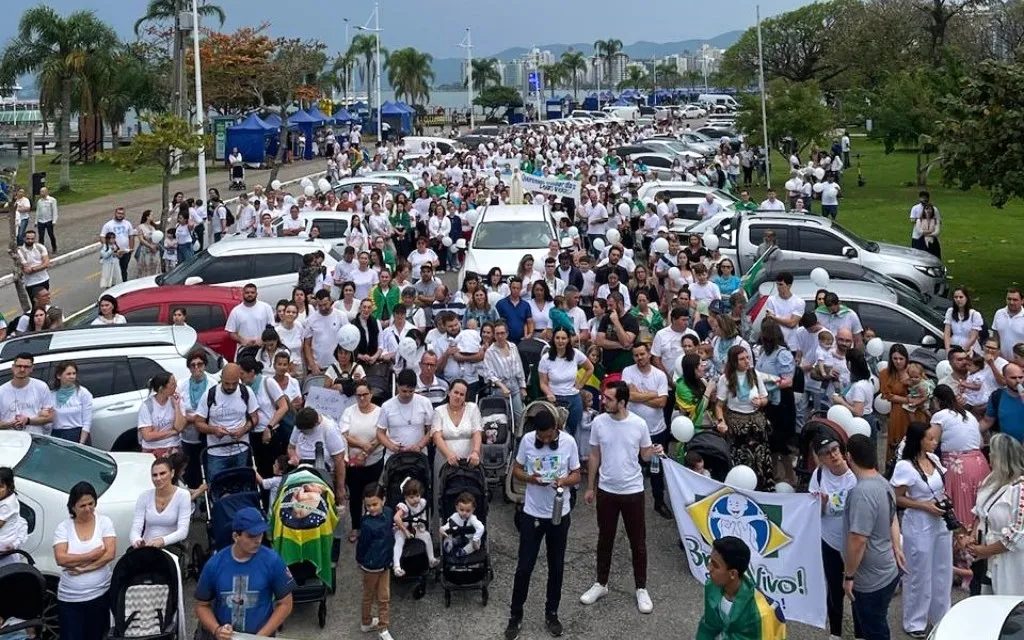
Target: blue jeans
<point x="185" y="252"/>
<point x="871" y="611"/>
<point x="575" y="406"/>
<point x="216" y="464"/>
<point x="88" y="620"/>
<point x="830" y="211"/>
<point x="71" y="435"/>
<point x="22" y="227"/>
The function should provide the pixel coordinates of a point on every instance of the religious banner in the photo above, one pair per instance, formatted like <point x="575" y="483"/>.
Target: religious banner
<point x="548" y="185"/>
<point x="782" y="531"/>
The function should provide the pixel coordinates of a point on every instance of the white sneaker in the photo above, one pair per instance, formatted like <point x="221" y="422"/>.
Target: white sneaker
<point x="643" y="601"/>
<point x="385" y="635"/>
<point x="367" y="628"/>
<point x="594" y="593"/>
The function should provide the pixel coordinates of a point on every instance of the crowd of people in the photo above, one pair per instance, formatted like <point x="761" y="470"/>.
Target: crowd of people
<point x="638" y="324"/>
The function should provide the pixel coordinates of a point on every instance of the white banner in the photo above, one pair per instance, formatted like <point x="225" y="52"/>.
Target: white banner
<point x="548" y="185"/>
<point x="782" y="530"/>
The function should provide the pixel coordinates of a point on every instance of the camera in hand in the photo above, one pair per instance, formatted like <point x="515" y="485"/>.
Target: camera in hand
<point x="949" y="515"/>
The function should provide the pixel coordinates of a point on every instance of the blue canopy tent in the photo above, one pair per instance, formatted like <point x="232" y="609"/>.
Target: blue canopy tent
<point x="590" y="103"/>
<point x="273" y="120"/>
<point x="305" y="123"/>
<point x="342" y="116"/>
<point x="315" y="112"/>
<point x="396" y="117"/>
<point x="250" y="136"/>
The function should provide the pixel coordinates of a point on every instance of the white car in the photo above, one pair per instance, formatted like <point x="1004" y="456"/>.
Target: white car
<point x="45" y="470"/>
<point x="272" y="264"/>
<point x="504" y="234"/>
<point x="691" y="111"/>
<point x="406" y="179"/>
<point x="673" y="148"/>
<point x="333" y="226"/>
<point x="982" y="618"/>
<point x="674" y="189"/>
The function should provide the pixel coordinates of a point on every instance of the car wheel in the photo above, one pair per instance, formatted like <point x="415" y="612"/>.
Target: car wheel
<point x="127" y="442"/>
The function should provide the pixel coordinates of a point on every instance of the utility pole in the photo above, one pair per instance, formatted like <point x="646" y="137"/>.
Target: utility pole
<point x="467" y="44"/>
<point x="764" y="106"/>
<point x="348" y="44"/>
<point x="200" y="109"/>
<point x="376" y="31"/>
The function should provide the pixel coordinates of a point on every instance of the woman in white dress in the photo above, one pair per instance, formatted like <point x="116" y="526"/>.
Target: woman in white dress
<point x="998" y="535"/>
<point x="456" y="431"/>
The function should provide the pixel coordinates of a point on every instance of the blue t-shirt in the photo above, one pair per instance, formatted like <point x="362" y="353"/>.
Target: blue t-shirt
<point x="243" y="593"/>
<point x="515" y="316"/>
<point x="1011" y="413"/>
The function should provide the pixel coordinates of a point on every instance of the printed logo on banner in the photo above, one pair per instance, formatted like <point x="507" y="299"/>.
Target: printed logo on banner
<point x="727" y="513"/>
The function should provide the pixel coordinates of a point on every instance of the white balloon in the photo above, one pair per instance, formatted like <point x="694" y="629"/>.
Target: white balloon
<point x="677" y="369"/>
<point x="711" y="242"/>
<point x="492" y="182"/>
<point x="493" y="297"/>
<point x="682" y="428"/>
<point x="819" y="173"/>
<point x="840" y="415"/>
<point x="195" y="246"/>
<point x="741" y="477"/>
<point x="406" y="348"/>
<point x="275" y="185"/>
<point x="623" y="209"/>
<point x="674" y="273"/>
<point x="461" y="243"/>
<point x="574" y="232"/>
<point x="874" y="347"/>
<point x="820" y="277"/>
<point x="613" y="235"/>
<point x="943" y="369"/>
<point x="882" y="406"/>
<point x="324" y="185"/>
<point x="598" y="244"/>
<point x="157" y="237"/>
<point x="453" y="248"/>
<point x="303" y="234"/>
<point x="818" y="187"/>
<point x="660" y="245"/>
<point x="305" y="182"/>
<point x="790" y="185"/>
<point x="348" y="337"/>
<point x="883" y="365"/>
<point x="309" y="190"/>
<point x="784" y="487"/>
<point x="472" y="217"/>
<point x="858" y="426"/>
<point x="446" y="241"/>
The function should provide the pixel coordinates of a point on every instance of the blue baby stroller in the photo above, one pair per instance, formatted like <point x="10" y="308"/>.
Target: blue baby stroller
<point x="472" y="571"/>
<point x="229" y="491"/>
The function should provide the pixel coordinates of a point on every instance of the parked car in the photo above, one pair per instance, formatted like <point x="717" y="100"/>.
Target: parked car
<point x="490" y="130"/>
<point x="405" y="179"/>
<point x="46" y="469"/>
<point x="699" y="142"/>
<point x="504" y="234"/>
<point x="415" y="144"/>
<point x="823" y="242"/>
<point x="982" y="617"/>
<point x="206" y="308"/>
<point x="272" y="264"/>
<point x="717" y="134"/>
<point x="678" y="189"/>
<point x="368" y="184"/>
<point x="333" y="226"/>
<point x="692" y="111"/>
<point x="673" y="147"/>
<point x="115" y="364"/>
<point x="659" y="164"/>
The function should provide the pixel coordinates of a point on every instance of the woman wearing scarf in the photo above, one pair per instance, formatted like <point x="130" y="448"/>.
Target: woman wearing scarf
<point x="192" y="392"/>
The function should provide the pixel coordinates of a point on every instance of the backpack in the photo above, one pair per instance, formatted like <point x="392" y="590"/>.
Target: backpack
<point x="229" y="219"/>
<point x="307" y="279"/>
<point x="211" y="397"/>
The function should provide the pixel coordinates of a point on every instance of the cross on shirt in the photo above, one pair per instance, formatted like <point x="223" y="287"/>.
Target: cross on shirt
<point x="240" y="600"/>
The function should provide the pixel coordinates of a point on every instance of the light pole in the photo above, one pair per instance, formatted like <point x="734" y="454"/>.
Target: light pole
<point x="597" y="74"/>
<point x="200" y="110"/>
<point x="348" y="45"/>
<point x="467" y="44"/>
<point x="376" y="30"/>
<point x="764" y="107"/>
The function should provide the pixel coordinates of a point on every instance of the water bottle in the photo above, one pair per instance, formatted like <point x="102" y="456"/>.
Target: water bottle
<point x="556" y="506"/>
<point x="655" y="464"/>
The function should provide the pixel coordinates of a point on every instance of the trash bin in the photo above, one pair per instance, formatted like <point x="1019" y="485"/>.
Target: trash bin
<point x="38" y="182"/>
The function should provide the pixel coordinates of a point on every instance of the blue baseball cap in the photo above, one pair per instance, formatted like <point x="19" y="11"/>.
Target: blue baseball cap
<point x="249" y="520"/>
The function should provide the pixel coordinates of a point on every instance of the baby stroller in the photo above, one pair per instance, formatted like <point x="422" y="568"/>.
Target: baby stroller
<point x="24" y="604"/>
<point x="471" y="571"/>
<point x="496" y="412"/>
<point x="380" y="379"/>
<point x="397" y="469"/>
<point x="302" y="522"/>
<point x="146" y="598"/>
<point x="815" y="430"/>
<point x="515" y="491"/>
<point x="227" y="492"/>
<point x="714" y="449"/>
<point x="237" y="177"/>
<point x="530" y="352"/>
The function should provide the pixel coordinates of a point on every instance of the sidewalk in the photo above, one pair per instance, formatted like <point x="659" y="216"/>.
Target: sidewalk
<point x="79" y="224"/>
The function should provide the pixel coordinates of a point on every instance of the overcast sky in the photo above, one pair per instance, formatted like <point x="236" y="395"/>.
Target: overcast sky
<point x="437" y="26"/>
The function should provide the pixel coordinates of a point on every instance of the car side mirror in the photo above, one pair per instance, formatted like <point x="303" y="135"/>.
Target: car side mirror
<point x="849" y="252"/>
<point x="928" y="341"/>
<point x="193" y="280"/>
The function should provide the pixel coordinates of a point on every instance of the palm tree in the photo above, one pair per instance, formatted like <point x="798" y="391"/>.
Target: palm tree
<point x="364" y="46"/>
<point x="635" y="78"/>
<point x="341" y="73"/>
<point x="667" y="75"/>
<point x="485" y="71"/>
<point x="63" y="51"/>
<point x="123" y="85"/>
<point x="575" y="64"/>
<point x="552" y="75"/>
<point x="410" y="75"/>
<point x="605" y="49"/>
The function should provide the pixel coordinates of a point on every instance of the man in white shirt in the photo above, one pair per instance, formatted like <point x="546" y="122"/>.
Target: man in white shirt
<point x="245" y="219"/>
<point x="1008" y="322"/>
<point x="786" y="308"/>
<point x="844" y="145"/>
<point x="34" y="264"/>
<point x="836" y="316"/>
<point x="226" y="415"/>
<point x="124" y="234"/>
<point x="248" y="319"/>
<point x="220" y="219"/>
<point x="597" y="219"/>
<point x="772" y="203"/>
<point x="648" y="395"/>
<point x="46" y="217"/>
<point x="320" y="334"/>
<point x="406" y="419"/>
<point x="830" y="196"/>
<point x="24" y="401"/>
<point x="22" y="208"/>
<point x="709" y="208"/>
<point x="292" y="225"/>
<point x="916" y="240"/>
<point x="428" y="385"/>
<point x="618" y="440"/>
<point x="667" y="345"/>
<point x="578" y="315"/>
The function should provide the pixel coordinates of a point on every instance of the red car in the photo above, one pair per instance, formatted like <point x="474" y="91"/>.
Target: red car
<point x="207" y="309"/>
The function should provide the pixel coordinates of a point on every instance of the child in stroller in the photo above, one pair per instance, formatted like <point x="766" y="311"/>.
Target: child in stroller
<point x="411" y="519"/>
<point x="465" y="560"/>
<point x="462" y="532"/>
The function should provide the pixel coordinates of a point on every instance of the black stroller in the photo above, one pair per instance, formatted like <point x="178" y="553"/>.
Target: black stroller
<point x="472" y="571"/>
<point x="238" y="177"/>
<point x="397" y="469"/>
<point x="380" y="379"/>
<point x="530" y="352"/>
<point x="498" y="424"/>
<point x="144" y="590"/>
<point x="24" y="602"/>
<point x="228" y="492"/>
<point x="714" y="449"/>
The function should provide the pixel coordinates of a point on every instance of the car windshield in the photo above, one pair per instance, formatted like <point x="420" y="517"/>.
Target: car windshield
<point x="914" y="304"/>
<point x="83" y="318"/>
<point x="725" y="195"/>
<point x="187" y="269"/>
<point x="1013" y="626"/>
<point x="867" y="245"/>
<point x="700" y="136"/>
<point x="511" y="235"/>
<point x="60" y="465"/>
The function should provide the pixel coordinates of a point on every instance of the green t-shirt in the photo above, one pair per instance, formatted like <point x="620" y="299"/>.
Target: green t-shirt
<point x="436" y="190"/>
<point x="749" y="205"/>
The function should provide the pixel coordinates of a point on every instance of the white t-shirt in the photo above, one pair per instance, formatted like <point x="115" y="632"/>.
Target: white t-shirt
<point x="829" y="193"/>
<point x="905" y="474"/>
<point x="291" y="339"/>
<point x="33" y="257"/>
<point x="862" y="391"/>
<point x="29" y="401"/>
<point x="228" y="411"/>
<point x="740" y="404"/>
<point x="561" y="373"/>
<point x="654" y="381"/>
<point x="92" y="584"/>
<point x="550" y="465"/>
<point x="15" y="530"/>
<point x="1010" y="330"/>
<point x="958" y="434"/>
<point x="620" y="442"/>
<point x="267" y="395"/>
<point x="75" y="413"/>
<point x="122" y="231"/>
<point x="323" y="330"/>
<point x="364" y="281"/>
<point x="707" y="291"/>
<point x="417" y="260"/>
<point x="406" y="424"/>
<point x="327" y="432"/>
<point x="458" y="437"/>
<point x="960" y="330"/>
<point x="837" y="488"/>
<point x="249" y="322"/>
<point x="668" y="345"/>
<point x="541" y="319"/>
<point x="787" y="308"/>
<point x="771" y="205"/>
<point x="160" y="417"/>
<point x="364" y="427"/>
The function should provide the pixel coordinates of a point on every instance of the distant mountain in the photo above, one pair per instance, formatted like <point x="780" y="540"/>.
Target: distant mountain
<point x="449" y="70"/>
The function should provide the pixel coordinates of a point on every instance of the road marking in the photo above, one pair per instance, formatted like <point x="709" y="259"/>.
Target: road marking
<point x="93" y="276"/>
<point x="13" y="311"/>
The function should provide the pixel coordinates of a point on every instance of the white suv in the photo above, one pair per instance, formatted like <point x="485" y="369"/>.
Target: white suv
<point x="504" y="234"/>
<point x="115" y="365"/>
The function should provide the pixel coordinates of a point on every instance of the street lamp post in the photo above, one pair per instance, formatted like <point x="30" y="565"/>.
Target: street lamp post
<point x="467" y="44"/>
<point x="348" y="44"/>
<point x="200" y="109"/>
<point x="376" y="30"/>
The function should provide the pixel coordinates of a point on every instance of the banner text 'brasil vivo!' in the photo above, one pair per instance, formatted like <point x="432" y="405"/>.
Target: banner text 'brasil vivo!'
<point x="782" y="530"/>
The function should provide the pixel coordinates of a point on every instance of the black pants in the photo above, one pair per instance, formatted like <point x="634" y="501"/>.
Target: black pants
<point x="832" y="560"/>
<point x="43" y="228"/>
<point x="531" y="532"/>
<point x="194" y="451"/>
<point x="356" y="479"/>
<point x="658" y="479"/>
<point x="123" y="262"/>
<point x="199" y="233"/>
<point x="88" y="620"/>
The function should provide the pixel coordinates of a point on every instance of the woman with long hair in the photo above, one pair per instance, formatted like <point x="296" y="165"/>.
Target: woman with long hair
<point x="642" y="282"/>
<point x="777" y="363"/>
<point x="457" y="431"/>
<point x="163" y="513"/>
<point x="647" y="316"/>
<point x="147" y="252"/>
<point x="289" y="332"/>
<point x="302" y="306"/>
<point x="479" y="309"/>
<point x="526" y="272"/>
<point x="363" y="277"/>
<point x="385" y="296"/>
<point x="72" y="405"/>
<point x="859" y="396"/>
<point x="725" y="277"/>
<point x="928" y="227"/>
<point x="726" y="336"/>
<point x="272" y="406"/>
<point x="356" y="237"/>
<point x="270" y="346"/>
<point x="893" y="382"/>
<point x="369" y="349"/>
<point x="504" y="369"/>
<point x="495" y="282"/>
<point x="963" y="323"/>
<point x="997" y="538"/>
<point x="960" y="436"/>
<point x="541" y="303"/>
<point x="161" y="417"/>
<point x="559" y="381"/>
<point x="365" y="453"/>
<point x="349" y="303"/>
<point x="693" y="394"/>
<point x="920" y="490"/>
<point x="108" y="315"/>
<point x="739" y="415"/>
<point x="343" y="373"/>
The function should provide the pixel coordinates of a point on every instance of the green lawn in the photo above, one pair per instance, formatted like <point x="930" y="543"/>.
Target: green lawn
<point x="93" y="180"/>
<point x="980" y="244"/>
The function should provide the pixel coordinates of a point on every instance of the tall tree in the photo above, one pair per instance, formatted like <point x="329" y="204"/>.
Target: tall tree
<point x="940" y="14"/>
<point x="291" y="76"/>
<point x="62" y="51"/>
<point x="342" y="72"/>
<point x="169" y="139"/>
<point x="575" y="64"/>
<point x="552" y="74"/>
<point x="897" y="23"/>
<point x="636" y="77"/>
<point x="797" y="116"/>
<point x="493" y="98"/>
<point x="127" y="84"/>
<point x="604" y="50"/>
<point x="485" y="73"/>
<point x="410" y="74"/>
<point x="668" y="76"/>
<point x="236" y="68"/>
<point x="364" y="46"/>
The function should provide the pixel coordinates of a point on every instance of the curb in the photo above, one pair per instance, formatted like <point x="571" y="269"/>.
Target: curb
<point x="71" y="256"/>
